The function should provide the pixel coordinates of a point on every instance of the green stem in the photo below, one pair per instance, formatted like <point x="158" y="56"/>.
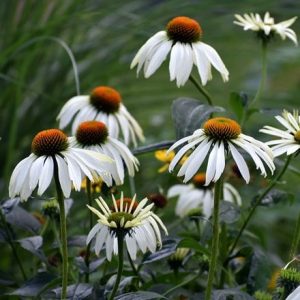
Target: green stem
<point x="63" y="233"/>
<point x="215" y="239"/>
<point x="134" y="269"/>
<point x="263" y="74"/>
<point x="120" y="237"/>
<point x="258" y="201"/>
<point x="201" y="89"/>
<point x="12" y="245"/>
<point x="296" y="239"/>
<point x="88" y="249"/>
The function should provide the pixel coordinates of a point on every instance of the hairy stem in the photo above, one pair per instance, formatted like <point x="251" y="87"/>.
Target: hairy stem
<point x="296" y="238"/>
<point x="215" y="239"/>
<point x="201" y="89"/>
<point x="120" y="237"/>
<point x="63" y="233"/>
<point x="88" y="249"/>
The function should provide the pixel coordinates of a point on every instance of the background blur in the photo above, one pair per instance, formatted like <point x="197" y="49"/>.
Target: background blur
<point x="36" y="76"/>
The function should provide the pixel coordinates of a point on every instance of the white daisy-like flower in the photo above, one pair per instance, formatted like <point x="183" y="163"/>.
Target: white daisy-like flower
<point x="289" y="139"/>
<point x="220" y="136"/>
<point x="51" y="153"/>
<point x="103" y="104"/>
<point x="94" y="135"/>
<point x="198" y="196"/>
<point x="267" y="26"/>
<point x="182" y="38"/>
<point x="135" y="221"/>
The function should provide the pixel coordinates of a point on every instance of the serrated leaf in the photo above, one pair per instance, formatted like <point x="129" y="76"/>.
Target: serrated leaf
<point x="169" y="247"/>
<point x="234" y="293"/>
<point x="237" y="103"/>
<point x="32" y="287"/>
<point x="141" y="295"/>
<point x="33" y="245"/>
<point x="74" y="292"/>
<point x="229" y="212"/>
<point x="19" y="217"/>
<point x="194" y="245"/>
<point x="153" y="147"/>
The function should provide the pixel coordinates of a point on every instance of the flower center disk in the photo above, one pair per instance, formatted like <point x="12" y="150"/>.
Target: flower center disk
<point x="118" y="216"/>
<point x="199" y="180"/>
<point x="92" y="133"/>
<point x="297" y="136"/>
<point x="184" y="29"/>
<point x="222" y="128"/>
<point x="49" y="142"/>
<point x="105" y="99"/>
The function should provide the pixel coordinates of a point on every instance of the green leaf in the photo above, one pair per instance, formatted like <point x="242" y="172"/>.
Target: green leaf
<point x="193" y="244"/>
<point x="33" y="286"/>
<point x="141" y="295"/>
<point x="74" y="291"/>
<point x="274" y="197"/>
<point x="169" y="247"/>
<point x="188" y="115"/>
<point x="237" y="104"/>
<point x="234" y="293"/>
<point x="33" y="245"/>
<point x="229" y="212"/>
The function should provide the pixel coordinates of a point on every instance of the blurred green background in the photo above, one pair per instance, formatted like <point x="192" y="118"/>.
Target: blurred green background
<point x="36" y="78"/>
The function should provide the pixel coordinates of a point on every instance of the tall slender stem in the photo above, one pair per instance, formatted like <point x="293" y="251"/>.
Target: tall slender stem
<point x="63" y="233"/>
<point x="201" y="89"/>
<point x="88" y="249"/>
<point x="215" y="239"/>
<point x="296" y="239"/>
<point x="120" y="238"/>
<point x="263" y="74"/>
<point x="258" y="201"/>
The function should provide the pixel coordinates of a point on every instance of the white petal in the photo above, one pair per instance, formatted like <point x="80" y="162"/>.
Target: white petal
<point x="46" y="175"/>
<point x="92" y="233"/>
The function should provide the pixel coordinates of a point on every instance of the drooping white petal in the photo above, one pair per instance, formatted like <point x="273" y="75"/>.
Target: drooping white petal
<point x="63" y="175"/>
<point x="46" y="175"/>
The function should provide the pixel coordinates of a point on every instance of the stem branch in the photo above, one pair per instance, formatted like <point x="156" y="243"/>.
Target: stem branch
<point x="201" y="89"/>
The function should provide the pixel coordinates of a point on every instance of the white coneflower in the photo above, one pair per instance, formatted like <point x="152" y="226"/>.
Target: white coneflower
<point x="289" y="139"/>
<point x="266" y="26"/>
<point x="51" y="152"/>
<point x="182" y="38"/>
<point x="134" y="221"/>
<point x="94" y="135"/>
<point x="103" y="104"/>
<point x="198" y="196"/>
<point x="218" y="137"/>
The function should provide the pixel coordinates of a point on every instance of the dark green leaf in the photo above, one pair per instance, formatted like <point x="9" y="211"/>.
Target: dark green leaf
<point x="234" y="293"/>
<point x="141" y="295"/>
<point x="237" y="103"/>
<point x="74" y="292"/>
<point x="229" y="212"/>
<point x="153" y="147"/>
<point x="274" y="197"/>
<point x="193" y="244"/>
<point x="80" y="262"/>
<point x="188" y="115"/>
<point x="33" y="245"/>
<point x="169" y="247"/>
<point x="17" y="216"/>
<point x="32" y="287"/>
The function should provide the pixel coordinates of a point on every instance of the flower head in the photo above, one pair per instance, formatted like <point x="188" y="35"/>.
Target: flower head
<point x="266" y="26"/>
<point x="220" y="136"/>
<point x="289" y="139"/>
<point x="182" y="38"/>
<point x="197" y="195"/>
<point x="95" y="136"/>
<point x="134" y="221"/>
<point x="52" y="152"/>
<point x="103" y="104"/>
<point x="166" y="157"/>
